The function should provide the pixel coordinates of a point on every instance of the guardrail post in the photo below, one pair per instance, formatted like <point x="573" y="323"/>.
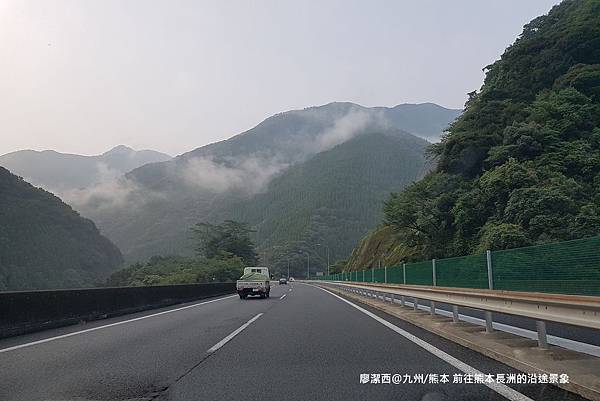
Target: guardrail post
<point x="432" y="304"/>
<point x="455" y="313"/>
<point x="404" y="273"/>
<point x="541" y="332"/>
<point x="488" y="322"/>
<point x="415" y="304"/>
<point x="402" y="300"/>
<point x="488" y="315"/>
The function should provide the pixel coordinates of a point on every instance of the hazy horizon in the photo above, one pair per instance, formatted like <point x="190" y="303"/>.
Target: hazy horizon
<point x="82" y="77"/>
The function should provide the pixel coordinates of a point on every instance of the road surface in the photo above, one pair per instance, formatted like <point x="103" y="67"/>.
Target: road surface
<point x="303" y="343"/>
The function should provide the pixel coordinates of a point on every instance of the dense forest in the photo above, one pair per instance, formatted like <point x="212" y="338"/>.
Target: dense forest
<point x="521" y="165"/>
<point x="332" y="199"/>
<point x="45" y="244"/>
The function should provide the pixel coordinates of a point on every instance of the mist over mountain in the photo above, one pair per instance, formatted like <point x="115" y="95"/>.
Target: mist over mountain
<point x="62" y="172"/>
<point x="149" y="210"/>
<point x="290" y="137"/>
<point x="332" y="198"/>
<point x="44" y="243"/>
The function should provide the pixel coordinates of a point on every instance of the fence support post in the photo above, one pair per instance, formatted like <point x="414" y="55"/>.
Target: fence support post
<point x="488" y="315"/>
<point x="404" y="273"/>
<point x="488" y="258"/>
<point x="363" y="276"/>
<point x="541" y="332"/>
<point x="372" y="274"/>
<point x="385" y="274"/>
<point x="432" y="304"/>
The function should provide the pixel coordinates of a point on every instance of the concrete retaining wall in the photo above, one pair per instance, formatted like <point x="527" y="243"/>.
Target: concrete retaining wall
<point x="27" y="311"/>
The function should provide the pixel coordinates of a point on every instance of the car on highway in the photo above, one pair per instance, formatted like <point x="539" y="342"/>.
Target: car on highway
<point x="283" y="280"/>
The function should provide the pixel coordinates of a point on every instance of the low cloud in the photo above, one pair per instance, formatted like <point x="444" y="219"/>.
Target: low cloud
<point x="253" y="173"/>
<point x="111" y="190"/>
<point x="249" y="175"/>
<point x="348" y="126"/>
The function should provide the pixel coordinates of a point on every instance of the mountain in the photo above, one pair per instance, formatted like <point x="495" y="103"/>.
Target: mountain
<point x="333" y="198"/>
<point x="149" y="210"/>
<point x="293" y="136"/>
<point x="425" y="120"/>
<point x="59" y="172"/>
<point x="521" y="165"/>
<point x="45" y="244"/>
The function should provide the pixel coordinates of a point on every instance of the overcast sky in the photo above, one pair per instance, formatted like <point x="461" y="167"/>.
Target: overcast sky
<point x="82" y="76"/>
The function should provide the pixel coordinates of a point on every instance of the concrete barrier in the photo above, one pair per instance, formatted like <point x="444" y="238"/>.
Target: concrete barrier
<point x="27" y="311"/>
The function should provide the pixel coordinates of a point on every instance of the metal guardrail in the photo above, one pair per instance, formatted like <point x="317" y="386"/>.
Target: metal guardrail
<point x="583" y="311"/>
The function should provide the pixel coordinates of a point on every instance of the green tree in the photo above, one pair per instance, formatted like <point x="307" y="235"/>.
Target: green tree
<point x="230" y="237"/>
<point x="521" y="165"/>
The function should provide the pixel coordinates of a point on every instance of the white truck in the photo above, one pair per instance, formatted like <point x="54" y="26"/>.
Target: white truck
<point x="255" y="281"/>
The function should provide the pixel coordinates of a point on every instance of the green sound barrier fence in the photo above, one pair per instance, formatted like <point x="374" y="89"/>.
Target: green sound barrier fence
<point x="570" y="267"/>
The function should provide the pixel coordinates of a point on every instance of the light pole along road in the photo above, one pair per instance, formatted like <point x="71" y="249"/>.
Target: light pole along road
<point x="327" y="247"/>
<point x="307" y="265"/>
<point x="302" y="343"/>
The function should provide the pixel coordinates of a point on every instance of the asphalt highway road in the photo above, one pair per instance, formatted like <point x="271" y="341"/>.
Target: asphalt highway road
<point x="303" y="343"/>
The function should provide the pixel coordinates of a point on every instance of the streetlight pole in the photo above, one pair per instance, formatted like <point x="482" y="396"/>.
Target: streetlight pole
<point x="327" y="248"/>
<point x="288" y="268"/>
<point x="307" y="265"/>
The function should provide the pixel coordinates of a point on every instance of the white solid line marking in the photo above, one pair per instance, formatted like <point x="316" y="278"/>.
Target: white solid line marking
<point x="501" y="389"/>
<point x="45" y="340"/>
<point x="283" y="296"/>
<point x="233" y="334"/>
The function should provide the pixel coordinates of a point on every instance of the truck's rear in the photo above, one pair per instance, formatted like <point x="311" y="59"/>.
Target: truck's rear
<point x="255" y="281"/>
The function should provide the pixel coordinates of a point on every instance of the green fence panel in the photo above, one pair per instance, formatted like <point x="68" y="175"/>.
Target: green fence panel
<point x="419" y="273"/>
<point x="464" y="272"/>
<point x="394" y="275"/>
<point x="379" y="275"/>
<point x="571" y="267"/>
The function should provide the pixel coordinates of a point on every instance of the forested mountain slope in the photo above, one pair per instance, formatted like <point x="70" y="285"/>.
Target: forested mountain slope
<point x="333" y="198"/>
<point x="45" y="244"/>
<point x="521" y="165"/>
<point x="151" y="209"/>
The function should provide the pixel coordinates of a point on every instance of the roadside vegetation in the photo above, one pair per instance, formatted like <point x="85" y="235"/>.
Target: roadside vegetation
<point x="521" y="165"/>
<point x="222" y="251"/>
